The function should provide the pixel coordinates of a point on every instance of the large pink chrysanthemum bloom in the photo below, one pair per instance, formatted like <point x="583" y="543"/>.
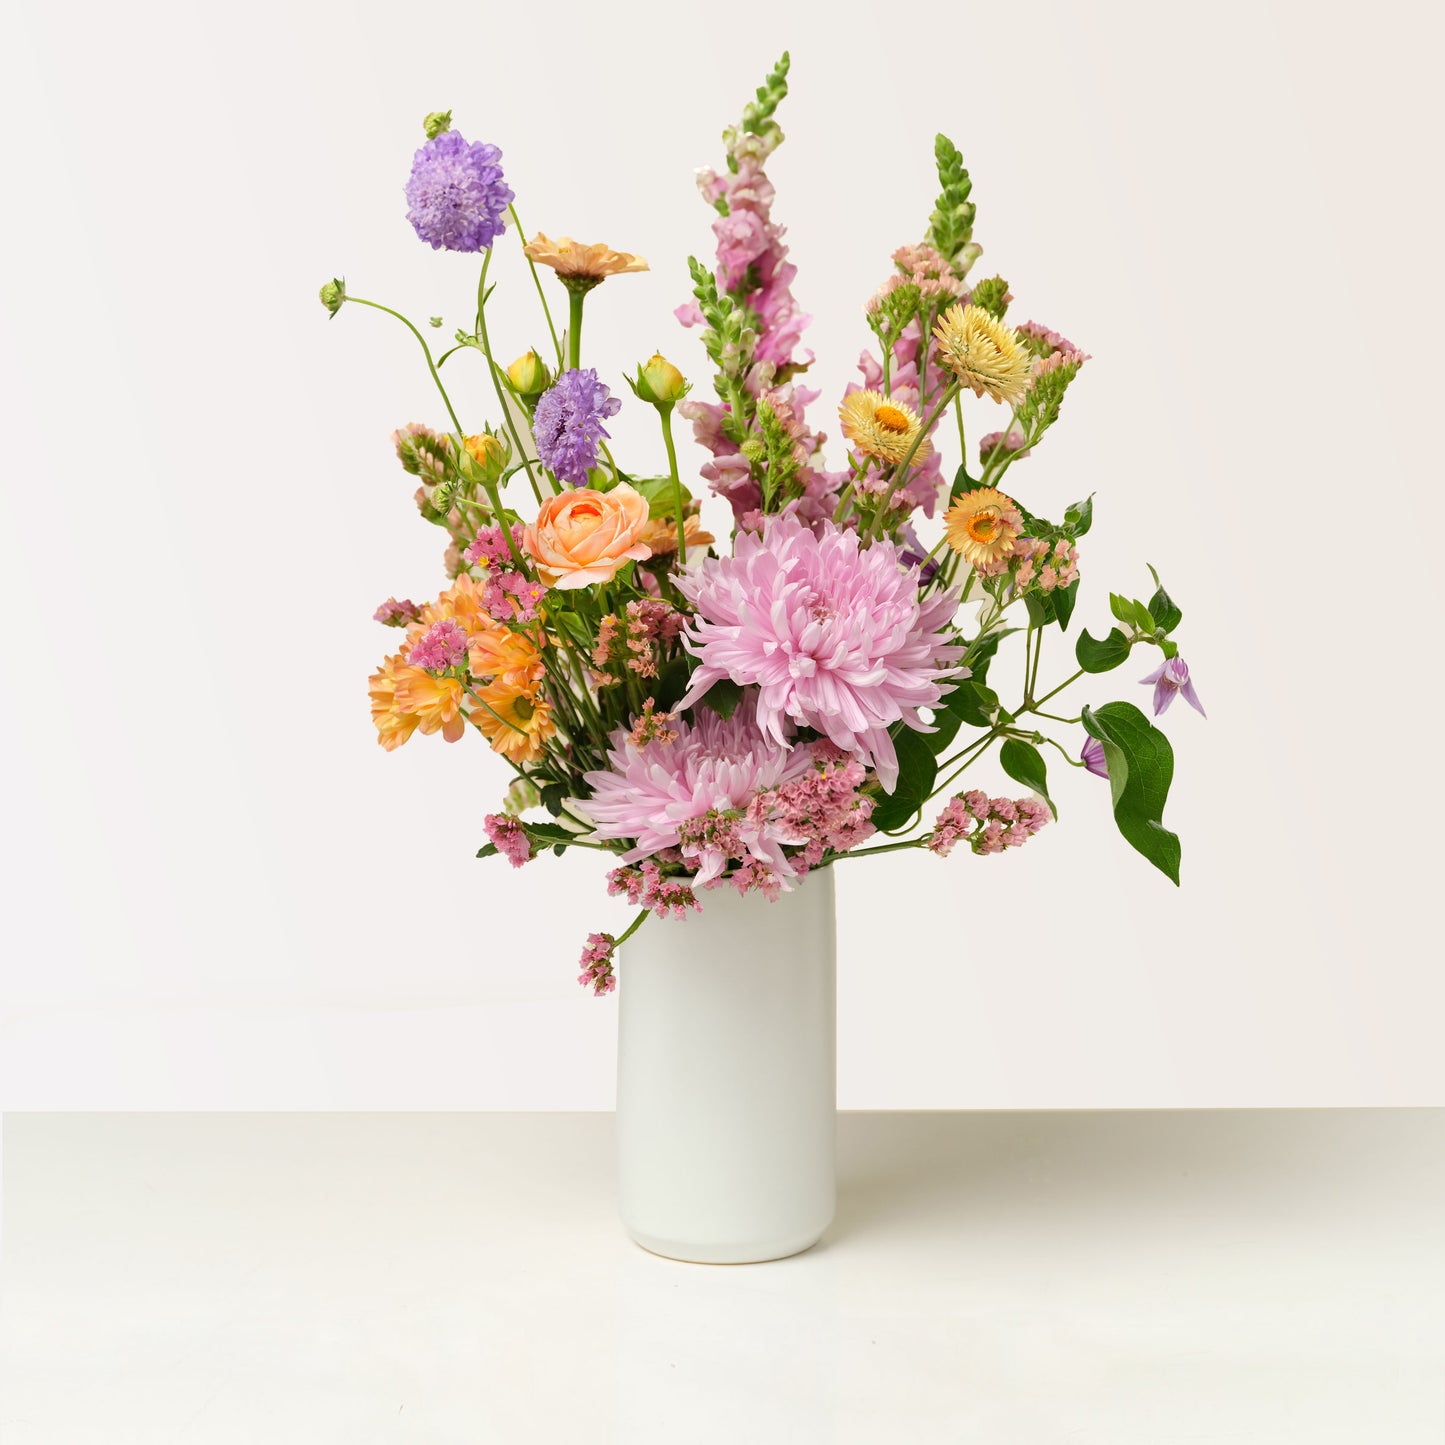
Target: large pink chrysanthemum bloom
<point x="653" y="792"/>
<point x="834" y="635"/>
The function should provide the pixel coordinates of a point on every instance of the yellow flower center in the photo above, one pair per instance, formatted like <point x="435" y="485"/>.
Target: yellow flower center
<point x="523" y="709"/>
<point x="983" y="526"/>
<point x="891" y="419"/>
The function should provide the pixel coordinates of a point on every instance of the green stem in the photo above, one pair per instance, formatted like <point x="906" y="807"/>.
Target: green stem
<point x="631" y="928"/>
<point x="665" y="412"/>
<point x="574" y="328"/>
<point x="501" y="396"/>
<point x="431" y="365"/>
<point x="1033" y="706"/>
<point x="884" y="848"/>
<point x="901" y="470"/>
<point x="537" y="282"/>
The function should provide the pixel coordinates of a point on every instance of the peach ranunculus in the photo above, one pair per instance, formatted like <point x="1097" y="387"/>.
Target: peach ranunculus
<point x="582" y="536"/>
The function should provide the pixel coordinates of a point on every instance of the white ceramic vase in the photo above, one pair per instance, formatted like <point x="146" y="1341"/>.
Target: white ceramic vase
<point x="726" y="1077"/>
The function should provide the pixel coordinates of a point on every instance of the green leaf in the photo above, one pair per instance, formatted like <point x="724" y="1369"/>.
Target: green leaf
<point x="661" y="498"/>
<point x="1163" y="608"/>
<point x="973" y="703"/>
<point x="722" y="697"/>
<point x="487" y="850"/>
<point x="962" y="483"/>
<point x="553" y="796"/>
<point x="1101" y="654"/>
<point x="1064" y="599"/>
<point x="981" y="651"/>
<point x="1080" y="517"/>
<point x="1141" y="767"/>
<point x="917" y="770"/>
<point x="1024" y="763"/>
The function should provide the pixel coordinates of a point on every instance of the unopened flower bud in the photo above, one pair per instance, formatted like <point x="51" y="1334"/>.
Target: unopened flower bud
<point x="489" y="455"/>
<point x="521" y="795"/>
<point x="437" y="123"/>
<point x="333" y="293"/>
<point x="529" y="376"/>
<point x="659" y="382"/>
<point x="434" y="321"/>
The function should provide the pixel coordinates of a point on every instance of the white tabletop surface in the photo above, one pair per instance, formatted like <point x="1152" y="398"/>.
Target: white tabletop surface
<point x="1169" y="1278"/>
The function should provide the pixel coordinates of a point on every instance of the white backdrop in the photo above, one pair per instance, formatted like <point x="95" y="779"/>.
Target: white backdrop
<point x="219" y="892"/>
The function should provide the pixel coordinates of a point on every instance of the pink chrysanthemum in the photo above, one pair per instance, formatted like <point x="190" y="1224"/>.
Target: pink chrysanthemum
<point x="692" y="793"/>
<point x="834" y="635"/>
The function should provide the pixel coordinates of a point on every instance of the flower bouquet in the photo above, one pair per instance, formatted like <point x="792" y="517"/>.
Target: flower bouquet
<point x="735" y="714"/>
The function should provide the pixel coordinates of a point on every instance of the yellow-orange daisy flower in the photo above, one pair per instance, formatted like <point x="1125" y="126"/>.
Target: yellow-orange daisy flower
<point x="982" y="525"/>
<point x="661" y="534"/>
<point x="580" y="267"/>
<point x="881" y="428"/>
<point x="393" y="724"/>
<point x="500" y="651"/>
<point x="983" y="353"/>
<point x="514" y="718"/>
<point x="435" y="702"/>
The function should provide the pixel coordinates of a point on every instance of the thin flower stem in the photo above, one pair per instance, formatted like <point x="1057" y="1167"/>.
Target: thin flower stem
<point x="501" y="396"/>
<point x="632" y="928"/>
<point x="901" y="470"/>
<point x="665" y="412"/>
<point x="962" y="444"/>
<point x="1073" y="677"/>
<point x="883" y="848"/>
<point x="431" y="365"/>
<point x="1071" y="761"/>
<point x="574" y="328"/>
<point x="537" y="281"/>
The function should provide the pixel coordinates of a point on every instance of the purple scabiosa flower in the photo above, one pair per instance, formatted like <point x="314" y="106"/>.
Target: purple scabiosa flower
<point x="1169" y="678"/>
<point x="835" y="636"/>
<point x="567" y="424"/>
<point x="456" y="196"/>
<point x="1093" y="758"/>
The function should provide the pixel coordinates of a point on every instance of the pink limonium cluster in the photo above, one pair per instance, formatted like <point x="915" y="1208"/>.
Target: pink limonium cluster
<point x="509" y="838"/>
<point x="647" y="886"/>
<point x="597" y="963"/>
<point x="442" y="645"/>
<point x="836" y="637"/>
<point x="638" y="638"/>
<point x="508" y="594"/>
<point x="392" y="613"/>
<point x="987" y="825"/>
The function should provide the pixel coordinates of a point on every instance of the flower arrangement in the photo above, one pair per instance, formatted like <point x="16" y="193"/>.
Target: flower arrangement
<point x="737" y="718"/>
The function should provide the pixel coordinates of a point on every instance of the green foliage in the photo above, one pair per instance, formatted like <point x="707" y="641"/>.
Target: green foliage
<point x="722" y="697"/>
<point x="1165" y="611"/>
<point x="917" y="771"/>
<point x="1102" y="654"/>
<point x="1130" y="612"/>
<point x="1024" y="763"/>
<point x="1141" y="767"/>
<point x="981" y="651"/>
<point x="950" y="228"/>
<point x="973" y="703"/>
<point x="962" y="483"/>
<point x="661" y="498"/>
<point x="992" y="295"/>
<point x="1079" y="517"/>
<point x="1063" y="599"/>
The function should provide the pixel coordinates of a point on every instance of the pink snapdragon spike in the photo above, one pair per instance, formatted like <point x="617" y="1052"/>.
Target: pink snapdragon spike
<point x="835" y="636"/>
<point x="1169" y="678"/>
<point x="1093" y="758"/>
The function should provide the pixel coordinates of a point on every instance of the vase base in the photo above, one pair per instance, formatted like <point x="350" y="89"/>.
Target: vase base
<point x="760" y="1253"/>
